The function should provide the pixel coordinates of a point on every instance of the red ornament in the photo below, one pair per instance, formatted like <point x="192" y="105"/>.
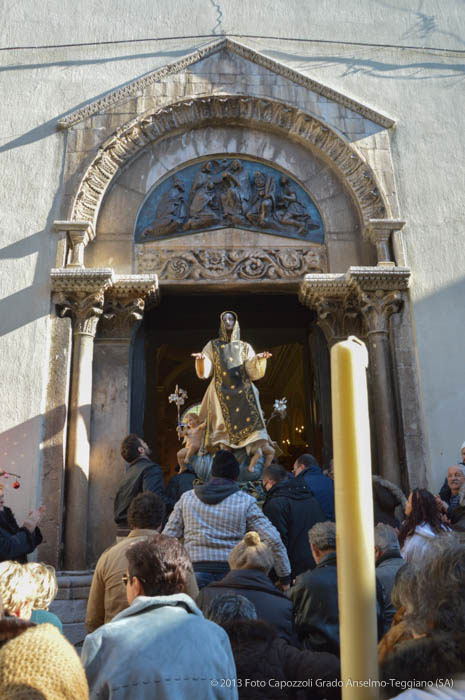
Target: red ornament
<point x="16" y="484"/>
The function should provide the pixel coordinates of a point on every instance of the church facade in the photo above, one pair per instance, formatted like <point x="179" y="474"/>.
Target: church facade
<point x="233" y="173"/>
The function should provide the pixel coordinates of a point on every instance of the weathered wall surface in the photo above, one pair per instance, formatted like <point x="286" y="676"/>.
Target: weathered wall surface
<point x="421" y="89"/>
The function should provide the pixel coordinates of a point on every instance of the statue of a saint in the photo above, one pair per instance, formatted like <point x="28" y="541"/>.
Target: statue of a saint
<point x="231" y="405"/>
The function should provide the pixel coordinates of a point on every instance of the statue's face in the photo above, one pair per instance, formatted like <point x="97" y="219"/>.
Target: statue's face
<point x="229" y="321"/>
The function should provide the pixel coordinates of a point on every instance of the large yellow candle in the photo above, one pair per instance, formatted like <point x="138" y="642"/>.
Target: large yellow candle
<point x="354" y="520"/>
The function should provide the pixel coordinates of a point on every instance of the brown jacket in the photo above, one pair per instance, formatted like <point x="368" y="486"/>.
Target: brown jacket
<point x="107" y="595"/>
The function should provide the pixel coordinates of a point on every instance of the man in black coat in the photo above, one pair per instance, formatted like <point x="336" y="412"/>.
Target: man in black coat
<point x="314" y="595"/>
<point x="17" y="542"/>
<point x="142" y="475"/>
<point x="293" y="510"/>
<point x="178" y="484"/>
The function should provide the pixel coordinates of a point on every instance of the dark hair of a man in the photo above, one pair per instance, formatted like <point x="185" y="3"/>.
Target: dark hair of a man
<point x="275" y="472"/>
<point x="225" y="465"/>
<point x="146" y="511"/>
<point x="160" y="563"/>
<point x="424" y="510"/>
<point x="130" y="447"/>
<point x="307" y="460"/>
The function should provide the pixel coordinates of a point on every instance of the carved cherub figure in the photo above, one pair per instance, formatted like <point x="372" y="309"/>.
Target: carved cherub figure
<point x="267" y="449"/>
<point x="192" y="433"/>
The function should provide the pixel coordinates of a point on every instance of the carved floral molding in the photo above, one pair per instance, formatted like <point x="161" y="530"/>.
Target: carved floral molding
<point x="246" y="111"/>
<point x="232" y="264"/>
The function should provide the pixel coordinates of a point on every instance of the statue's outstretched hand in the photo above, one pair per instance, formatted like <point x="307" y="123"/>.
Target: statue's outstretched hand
<point x="198" y="355"/>
<point x="264" y="355"/>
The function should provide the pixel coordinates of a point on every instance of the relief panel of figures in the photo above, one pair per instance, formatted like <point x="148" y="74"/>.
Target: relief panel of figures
<point x="227" y="192"/>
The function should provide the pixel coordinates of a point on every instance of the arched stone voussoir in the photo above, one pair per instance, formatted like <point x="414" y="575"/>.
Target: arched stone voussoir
<point x="246" y="111"/>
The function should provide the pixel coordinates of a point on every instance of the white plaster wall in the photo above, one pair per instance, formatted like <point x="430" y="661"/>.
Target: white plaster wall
<point x="422" y="90"/>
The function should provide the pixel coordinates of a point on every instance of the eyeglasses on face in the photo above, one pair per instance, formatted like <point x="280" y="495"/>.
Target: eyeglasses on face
<point x="125" y="579"/>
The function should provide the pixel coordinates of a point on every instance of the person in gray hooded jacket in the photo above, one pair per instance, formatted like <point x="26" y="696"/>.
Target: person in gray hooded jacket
<point x="214" y="517"/>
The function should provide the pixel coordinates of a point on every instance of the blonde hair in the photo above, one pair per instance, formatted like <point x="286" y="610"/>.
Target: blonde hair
<point x="46" y="583"/>
<point x="192" y="415"/>
<point x="17" y="587"/>
<point x="251" y="553"/>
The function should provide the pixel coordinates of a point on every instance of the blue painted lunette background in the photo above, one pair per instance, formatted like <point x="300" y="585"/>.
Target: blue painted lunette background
<point x="147" y="211"/>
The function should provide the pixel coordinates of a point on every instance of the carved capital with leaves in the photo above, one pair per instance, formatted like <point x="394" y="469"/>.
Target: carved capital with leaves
<point x="119" y="316"/>
<point x="377" y="308"/>
<point x="83" y="308"/>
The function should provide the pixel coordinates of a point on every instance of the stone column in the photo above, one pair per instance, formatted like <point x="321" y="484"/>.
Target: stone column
<point x="377" y="308"/>
<point x="80" y="295"/>
<point x="380" y="295"/>
<point x="123" y="311"/>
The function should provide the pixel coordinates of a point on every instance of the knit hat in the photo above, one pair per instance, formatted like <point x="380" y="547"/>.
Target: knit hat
<point x="41" y="664"/>
<point x="251" y="553"/>
<point x="225" y="465"/>
<point x="229" y="607"/>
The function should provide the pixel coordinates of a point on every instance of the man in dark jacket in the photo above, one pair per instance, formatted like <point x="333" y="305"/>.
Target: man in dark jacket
<point x="178" y="484"/>
<point x="315" y="598"/>
<point x="17" y="542"/>
<point x="293" y="510"/>
<point x="307" y="471"/>
<point x="142" y="475"/>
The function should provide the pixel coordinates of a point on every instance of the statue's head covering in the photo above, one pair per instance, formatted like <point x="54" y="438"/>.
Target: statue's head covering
<point x="236" y="331"/>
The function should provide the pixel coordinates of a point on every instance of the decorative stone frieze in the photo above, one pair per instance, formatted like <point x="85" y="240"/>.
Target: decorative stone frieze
<point x="248" y="111"/>
<point x="217" y="264"/>
<point x="137" y="86"/>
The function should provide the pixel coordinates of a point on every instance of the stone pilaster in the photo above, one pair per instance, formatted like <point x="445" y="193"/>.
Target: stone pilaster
<point x="122" y="313"/>
<point x="79" y="294"/>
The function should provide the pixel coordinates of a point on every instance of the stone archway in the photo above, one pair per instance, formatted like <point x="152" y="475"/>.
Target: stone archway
<point x="367" y="296"/>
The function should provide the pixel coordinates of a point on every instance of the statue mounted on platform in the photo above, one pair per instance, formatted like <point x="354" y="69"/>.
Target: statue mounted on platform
<point x="231" y="407"/>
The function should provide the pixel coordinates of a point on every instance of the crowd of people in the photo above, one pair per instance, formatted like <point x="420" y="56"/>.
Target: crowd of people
<point x="205" y="594"/>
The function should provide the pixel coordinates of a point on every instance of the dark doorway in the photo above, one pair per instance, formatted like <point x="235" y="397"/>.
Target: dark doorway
<point x="298" y="370"/>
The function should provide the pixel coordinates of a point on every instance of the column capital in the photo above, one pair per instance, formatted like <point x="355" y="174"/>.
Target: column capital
<point x="377" y="308"/>
<point x="125" y="303"/>
<point x="332" y="297"/>
<point x="79" y="294"/>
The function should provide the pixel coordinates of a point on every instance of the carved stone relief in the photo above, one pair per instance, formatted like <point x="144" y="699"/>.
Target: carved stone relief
<point x="232" y="264"/>
<point x="223" y="192"/>
<point x="251" y="112"/>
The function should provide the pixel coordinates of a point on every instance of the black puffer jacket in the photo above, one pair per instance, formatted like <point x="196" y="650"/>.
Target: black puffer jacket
<point x="264" y="662"/>
<point x="293" y="510"/>
<point x="270" y="603"/>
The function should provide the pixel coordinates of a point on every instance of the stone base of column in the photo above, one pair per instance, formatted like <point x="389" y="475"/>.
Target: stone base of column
<point x="71" y="602"/>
